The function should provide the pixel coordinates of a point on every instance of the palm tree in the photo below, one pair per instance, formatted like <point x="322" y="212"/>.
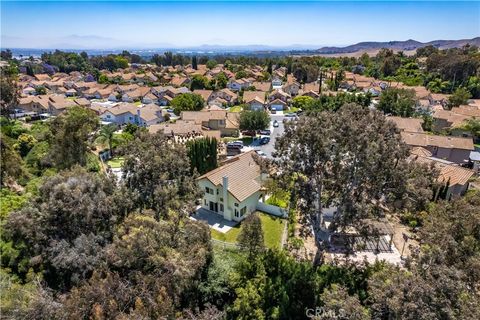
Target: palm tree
<point x="107" y="135"/>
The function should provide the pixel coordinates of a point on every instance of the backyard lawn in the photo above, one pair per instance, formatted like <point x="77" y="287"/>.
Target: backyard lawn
<point x="272" y="230"/>
<point x="115" y="163"/>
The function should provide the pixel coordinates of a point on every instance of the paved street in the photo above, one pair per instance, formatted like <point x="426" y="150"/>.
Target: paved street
<point x="270" y="147"/>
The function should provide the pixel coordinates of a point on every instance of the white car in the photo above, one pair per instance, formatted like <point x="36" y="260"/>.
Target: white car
<point x="261" y="153"/>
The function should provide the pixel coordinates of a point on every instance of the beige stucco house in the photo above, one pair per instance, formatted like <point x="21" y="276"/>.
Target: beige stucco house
<point x="234" y="189"/>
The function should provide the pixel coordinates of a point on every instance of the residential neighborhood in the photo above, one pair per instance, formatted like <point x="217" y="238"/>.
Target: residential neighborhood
<point x="176" y="160"/>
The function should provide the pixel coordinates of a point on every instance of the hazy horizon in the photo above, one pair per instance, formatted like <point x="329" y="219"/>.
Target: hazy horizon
<point x="306" y="25"/>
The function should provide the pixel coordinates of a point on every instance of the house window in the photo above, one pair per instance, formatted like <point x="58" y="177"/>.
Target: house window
<point x="221" y="207"/>
<point x="237" y="214"/>
<point x="221" y="199"/>
<point x="218" y="191"/>
<point x="205" y="201"/>
<point x="208" y="190"/>
<point x="243" y="211"/>
<point x="236" y="204"/>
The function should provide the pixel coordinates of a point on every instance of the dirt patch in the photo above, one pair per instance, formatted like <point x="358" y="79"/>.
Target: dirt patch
<point x="398" y="238"/>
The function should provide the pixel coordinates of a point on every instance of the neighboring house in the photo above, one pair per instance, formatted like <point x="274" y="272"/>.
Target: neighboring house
<point x="226" y="122"/>
<point x="254" y="99"/>
<point x="183" y="131"/>
<point x="277" y="105"/>
<point x="226" y="94"/>
<point x="276" y="83"/>
<point x="233" y="190"/>
<point x="280" y="95"/>
<point x="125" y="113"/>
<point x="456" y="177"/>
<point x="29" y="91"/>
<point x="454" y="149"/>
<point x="238" y="84"/>
<point x="71" y="92"/>
<point x="205" y="94"/>
<point x="36" y="104"/>
<point x="451" y="119"/>
<point x="179" y="81"/>
<point x="262" y="86"/>
<point x="407" y="124"/>
<point x="292" y="87"/>
<point x="83" y="102"/>
<point x="135" y="95"/>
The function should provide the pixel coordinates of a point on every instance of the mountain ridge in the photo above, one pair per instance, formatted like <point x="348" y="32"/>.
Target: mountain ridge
<point x="406" y="45"/>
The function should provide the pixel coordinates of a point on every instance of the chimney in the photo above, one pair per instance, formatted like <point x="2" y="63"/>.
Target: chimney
<point x="226" y="211"/>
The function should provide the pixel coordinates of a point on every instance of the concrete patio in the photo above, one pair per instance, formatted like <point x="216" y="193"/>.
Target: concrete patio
<point x="214" y="220"/>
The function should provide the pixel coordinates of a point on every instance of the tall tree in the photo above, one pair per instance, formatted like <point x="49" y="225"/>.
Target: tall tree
<point x="187" y="102"/>
<point x="397" y="102"/>
<point x="107" y="135"/>
<point x="353" y="159"/>
<point x="254" y="120"/>
<point x="203" y="154"/>
<point x="71" y="132"/>
<point x="459" y="97"/>
<point x="250" y="238"/>
<point x="194" y="62"/>
<point x="157" y="172"/>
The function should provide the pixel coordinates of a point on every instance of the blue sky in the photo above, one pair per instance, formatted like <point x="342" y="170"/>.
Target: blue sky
<point x="49" y="24"/>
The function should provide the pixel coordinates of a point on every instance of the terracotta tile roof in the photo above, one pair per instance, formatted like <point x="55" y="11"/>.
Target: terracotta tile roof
<point x="205" y="94"/>
<point x="243" y="176"/>
<point x="408" y="124"/>
<point x="422" y="140"/>
<point x="447" y="171"/>
<point x="262" y="86"/>
<point x="249" y="96"/>
<point x="180" y="127"/>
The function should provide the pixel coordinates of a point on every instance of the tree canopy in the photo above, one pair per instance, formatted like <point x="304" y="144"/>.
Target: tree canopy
<point x="187" y="102"/>
<point x="254" y="120"/>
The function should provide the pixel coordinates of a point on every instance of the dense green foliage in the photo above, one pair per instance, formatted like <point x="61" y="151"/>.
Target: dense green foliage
<point x="397" y="102"/>
<point x="202" y="154"/>
<point x="254" y="120"/>
<point x="187" y="102"/>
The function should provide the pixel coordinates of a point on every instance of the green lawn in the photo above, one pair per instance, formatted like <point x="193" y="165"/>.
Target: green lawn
<point x="236" y="109"/>
<point x="116" y="162"/>
<point x="279" y="199"/>
<point x="272" y="230"/>
<point x="246" y="140"/>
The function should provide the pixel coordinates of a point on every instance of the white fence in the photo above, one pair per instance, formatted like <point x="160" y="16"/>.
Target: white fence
<point x="273" y="210"/>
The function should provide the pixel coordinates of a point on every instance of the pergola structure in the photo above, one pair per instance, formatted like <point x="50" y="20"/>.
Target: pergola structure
<point x="370" y="236"/>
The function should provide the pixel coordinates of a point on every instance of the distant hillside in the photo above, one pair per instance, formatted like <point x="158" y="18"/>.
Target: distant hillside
<point x="407" y="45"/>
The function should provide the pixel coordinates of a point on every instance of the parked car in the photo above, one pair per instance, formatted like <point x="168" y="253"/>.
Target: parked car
<point x="264" y="140"/>
<point x="265" y="132"/>
<point x="273" y="111"/>
<point x="250" y="133"/>
<point x="235" y="144"/>
<point x="291" y="115"/>
<point x="275" y="124"/>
